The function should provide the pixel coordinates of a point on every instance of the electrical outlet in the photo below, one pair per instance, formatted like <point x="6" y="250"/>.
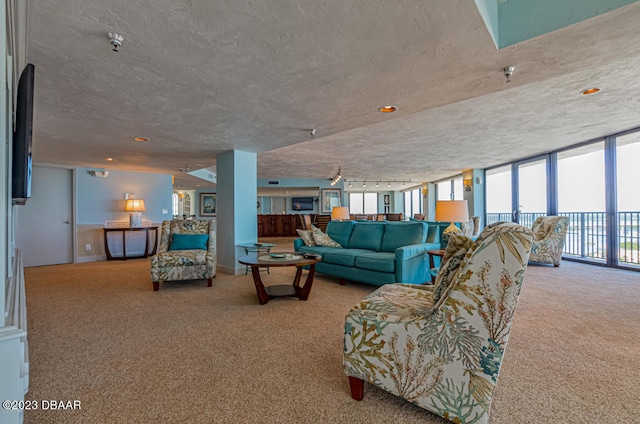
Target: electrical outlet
<point x="87" y="247"/>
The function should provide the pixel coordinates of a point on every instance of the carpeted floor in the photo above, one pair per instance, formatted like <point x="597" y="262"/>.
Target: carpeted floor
<point x="193" y="354"/>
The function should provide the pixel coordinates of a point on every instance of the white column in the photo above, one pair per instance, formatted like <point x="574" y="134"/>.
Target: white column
<point x="237" y="191"/>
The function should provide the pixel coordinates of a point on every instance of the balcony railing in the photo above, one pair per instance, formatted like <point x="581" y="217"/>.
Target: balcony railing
<point x="586" y="236"/>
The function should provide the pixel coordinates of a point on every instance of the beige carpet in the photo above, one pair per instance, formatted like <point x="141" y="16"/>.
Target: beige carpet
<point x="193" y="354"/>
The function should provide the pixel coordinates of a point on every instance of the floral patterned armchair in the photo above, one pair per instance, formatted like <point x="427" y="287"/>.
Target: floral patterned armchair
<point x="441" y="347"/>
<point x="193" y="264"/>
<point x="549" y="235"/>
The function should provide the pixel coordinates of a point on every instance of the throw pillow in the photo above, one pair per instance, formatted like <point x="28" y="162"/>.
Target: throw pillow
<point x="307" y="237"/>
<point x="189" y="242"/>
<point x="455" y="252"/>
<point x="322" y="239"/>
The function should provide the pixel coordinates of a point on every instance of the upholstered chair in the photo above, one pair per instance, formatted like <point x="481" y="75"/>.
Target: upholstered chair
<point x="395" y="216"/>
<point x="187" y="251"/>
<point x="441" y="347"/>
<point x="549" y="235"/>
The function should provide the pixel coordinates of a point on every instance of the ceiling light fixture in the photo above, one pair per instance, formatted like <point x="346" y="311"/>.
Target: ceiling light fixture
<point x="336" y="178"/>
<point x="508" y="72"/>
<point x="387" y="109"/>
<point x="110" y="159"/>
<point x="591" y="90"/>
<point x="141" y="139"/>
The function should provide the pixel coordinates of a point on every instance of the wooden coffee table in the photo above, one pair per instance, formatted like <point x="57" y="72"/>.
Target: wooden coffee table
<point x="266" y="260"/>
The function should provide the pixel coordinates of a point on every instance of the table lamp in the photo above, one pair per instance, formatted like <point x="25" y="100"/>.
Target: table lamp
<point x="136" y="207"/>
<point x="452" y="211"/>
<point x="340" y="213"/>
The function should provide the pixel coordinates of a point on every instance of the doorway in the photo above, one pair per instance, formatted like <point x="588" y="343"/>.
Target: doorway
<point x="44" y="230"/>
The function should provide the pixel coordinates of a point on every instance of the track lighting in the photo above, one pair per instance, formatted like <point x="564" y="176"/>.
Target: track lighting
<point x="336" y="178"/>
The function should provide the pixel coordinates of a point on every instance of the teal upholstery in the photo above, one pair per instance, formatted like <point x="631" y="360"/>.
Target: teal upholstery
<point x="340" y="231"/>
<point x="377" y="261"/>
<point x="189" y="241"/>
<point x="367" y="235"/>
<point x="398" y="234"/>
<point x="378" y="252"/>
<point x="346" y="257"/>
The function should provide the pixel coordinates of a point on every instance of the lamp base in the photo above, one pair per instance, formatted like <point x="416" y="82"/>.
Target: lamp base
<point x="451" y="229"/>
<point x="135" y="220"/>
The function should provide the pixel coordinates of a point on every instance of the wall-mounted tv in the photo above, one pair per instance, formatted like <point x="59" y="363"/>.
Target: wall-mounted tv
<point x="302" y="203"/>
<point x="22" y="162"/>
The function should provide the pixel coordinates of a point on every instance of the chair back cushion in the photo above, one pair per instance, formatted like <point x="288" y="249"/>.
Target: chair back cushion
<point x="189" y="226"/>
<point x="455" y="252"/>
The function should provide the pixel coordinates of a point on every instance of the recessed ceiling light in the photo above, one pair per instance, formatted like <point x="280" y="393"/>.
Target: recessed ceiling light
<point x="142" y="139"/>
<point x="387" y="109"/>
<point x="591" y="90"/>
<point x="110" y="159"/>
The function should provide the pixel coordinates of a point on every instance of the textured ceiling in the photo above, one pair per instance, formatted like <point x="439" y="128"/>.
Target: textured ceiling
<point x="203" y="77"/>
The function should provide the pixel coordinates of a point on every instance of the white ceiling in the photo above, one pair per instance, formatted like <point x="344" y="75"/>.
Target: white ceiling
<point x="202" y="77"/>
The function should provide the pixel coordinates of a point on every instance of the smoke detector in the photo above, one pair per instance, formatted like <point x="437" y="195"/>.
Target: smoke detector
<point x="116" y="40"/>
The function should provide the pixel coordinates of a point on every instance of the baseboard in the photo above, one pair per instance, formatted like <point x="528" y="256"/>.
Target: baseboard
<point x="93" y="258"/>
<point x="229" y="270"/>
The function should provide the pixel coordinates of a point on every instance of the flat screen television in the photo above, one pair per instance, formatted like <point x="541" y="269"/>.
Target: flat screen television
<point x="22" y="161"/>
<point x="302" y="203"/>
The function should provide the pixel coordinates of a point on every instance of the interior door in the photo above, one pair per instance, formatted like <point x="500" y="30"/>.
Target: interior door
<point x="44" y="232"/>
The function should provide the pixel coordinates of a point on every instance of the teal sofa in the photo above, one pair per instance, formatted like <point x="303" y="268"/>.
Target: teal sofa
<point x="378" y="252"/>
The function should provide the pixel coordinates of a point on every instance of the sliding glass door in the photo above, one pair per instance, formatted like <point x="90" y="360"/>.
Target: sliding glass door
<point x="531" y="197"/>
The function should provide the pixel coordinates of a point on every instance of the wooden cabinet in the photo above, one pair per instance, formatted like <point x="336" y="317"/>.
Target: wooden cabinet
<point x="277" y="225"/>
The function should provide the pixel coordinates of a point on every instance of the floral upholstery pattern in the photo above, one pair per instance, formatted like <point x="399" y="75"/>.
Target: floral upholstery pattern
<point x="177" y="265"/>
<point x="549" y="235"/>
<point x="444" y="356"/>
<point x="322" y="239"/>
<point x="307" y="237"/>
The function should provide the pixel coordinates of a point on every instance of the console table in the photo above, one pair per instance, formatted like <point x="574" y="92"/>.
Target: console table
<point x="130" y="233"/>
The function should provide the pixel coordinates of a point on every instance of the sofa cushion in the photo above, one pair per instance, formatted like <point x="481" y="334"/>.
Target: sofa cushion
<point x="367" y="235"/>
<point x="318" y="250"/>
<point x="177" y="258"/>
<point x="377" y="261"/>
<point x="398" y="234"/>
<point x="340" y="231"/>
<point x="346" y="257"/>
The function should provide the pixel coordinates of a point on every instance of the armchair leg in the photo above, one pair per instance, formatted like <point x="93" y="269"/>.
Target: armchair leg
<point x="209" y="282"/>
<point x="357" y="388"/>
<point x="556" y="265"/>
<point x="156" y="285"/>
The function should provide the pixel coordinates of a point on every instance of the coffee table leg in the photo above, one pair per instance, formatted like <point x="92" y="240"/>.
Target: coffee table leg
<point x="303" y="292"/>
<point x="263" y="297"/>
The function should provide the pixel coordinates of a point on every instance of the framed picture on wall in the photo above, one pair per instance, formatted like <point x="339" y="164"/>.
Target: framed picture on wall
<point x="386" y="199"/>
<point x="208" y="204"/>
<point x="329" y="198"/>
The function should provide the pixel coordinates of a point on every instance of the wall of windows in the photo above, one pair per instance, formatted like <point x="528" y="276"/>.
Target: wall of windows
<point x="450" y="189"/>
<point x="594" y="184"/>
<point x="412" y="202"/>
<point x="363" y="203"/>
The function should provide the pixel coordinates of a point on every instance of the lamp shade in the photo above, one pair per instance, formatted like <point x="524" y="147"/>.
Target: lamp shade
<point x="134" y="205"/>
<point x="340" y="213"/>
<point x="452" y="211"/>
